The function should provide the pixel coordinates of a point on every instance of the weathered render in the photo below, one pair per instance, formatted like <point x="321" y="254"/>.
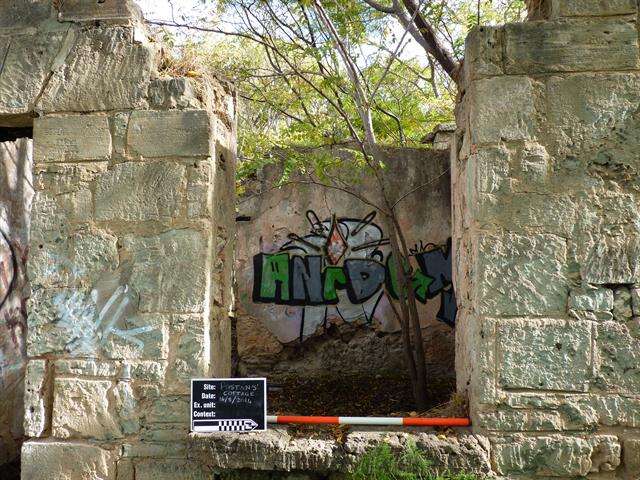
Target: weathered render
<point x="348" y="336"/>
<point x="547" y="241"/>
<point x="131" y="239"/>
<point x="16" y="194"/>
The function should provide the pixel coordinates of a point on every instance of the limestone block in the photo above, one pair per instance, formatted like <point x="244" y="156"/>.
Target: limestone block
<point x="635" y="301"/>
<point x="161" y="266"/>
<point x="175" y="449"/>
<point x="47" y="225"/>
<point x="551" y="456"/>
<point x="170" y="93"/>
<point x="105" y="70"/>
<point x="113" y="11"/>
<point x="483" y="52"/>
<point x="606" y="453"/>
<point x="521" y="274"/>
<point x="24" y="71"/>
<point x="67" y="461"/>
<point x="610" y="259"/>
<point x="170" y="469"/>
<point x="166" y="134"/>
<point x="35" y="398"/>
<point x="502" y="109"/>
<point x="140" y="191"/>
<point x="616" y="410"/>
<point x="56" y="179"/>
<point x="632" y="456"/>
<point x="45" y="333"/>
<point x="492" y="170"/>
<point x="75" y="320"/>
<point x="187" y="355"/>
<point x="277" y="450"/>
<point x="148" y="371"/>
<point x="535" y="164"/>
<point x="541" y="47"/>
<point x="595" y="300"/>
<point x="584" y="112"/>
<point x="198" y="188"/>
<point x="139" y="337"/>
<point x="71" y="138"/>
<point x="125" y="470"/>
<point x="588" y="8"/>
<point x="169" y="409"/>
<point x="166" y="432"/>
<point x="622" y="304"/>
<point x="127" y="408"/>
<point x="23" y="15"/>
<point x="546" y="213"/>
<point x="87" y="256"/>
<point x="93" y="254"/>
<point x="87" y="368"/>
<point x="519" y="421"/>
<point x="5" y="42"/>
<point x="84" y="409"/>
<point x="618" y="355"/>
<point x="119" y="123"/>
<point x="544" y="354"/>
<point x="580" y="411"/>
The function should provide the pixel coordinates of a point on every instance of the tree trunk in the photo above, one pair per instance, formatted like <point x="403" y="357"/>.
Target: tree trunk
<point x="410" y="321"/>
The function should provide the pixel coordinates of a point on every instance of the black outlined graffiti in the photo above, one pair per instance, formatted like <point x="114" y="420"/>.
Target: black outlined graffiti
<point x="341" y="263"/>
<point x="8" y="269"/>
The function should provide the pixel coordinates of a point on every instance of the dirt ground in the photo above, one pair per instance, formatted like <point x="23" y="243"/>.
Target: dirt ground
<point x="351" y="395"/>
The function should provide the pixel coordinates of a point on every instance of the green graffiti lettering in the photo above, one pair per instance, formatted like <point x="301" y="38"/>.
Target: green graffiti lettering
<point x="420" y="283"/>
<point x="334" y="278"/>
<point x="275" y="276"/>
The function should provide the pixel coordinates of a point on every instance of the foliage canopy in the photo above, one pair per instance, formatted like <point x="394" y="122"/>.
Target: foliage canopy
<point x="296" y="97"/>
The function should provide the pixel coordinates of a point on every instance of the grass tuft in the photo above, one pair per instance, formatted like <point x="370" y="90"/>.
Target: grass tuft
<point x="381" y="463"/>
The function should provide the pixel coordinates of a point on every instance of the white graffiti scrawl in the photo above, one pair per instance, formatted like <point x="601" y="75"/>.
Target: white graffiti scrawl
<point x="88" y="328"/>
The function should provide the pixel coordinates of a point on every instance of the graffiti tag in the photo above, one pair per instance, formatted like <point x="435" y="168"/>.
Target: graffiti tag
<point x="341" y="263"/>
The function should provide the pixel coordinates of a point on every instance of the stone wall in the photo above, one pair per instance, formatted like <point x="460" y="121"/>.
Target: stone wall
<point x="131" y="237"/>
<point x="547" y="241"/>
<point x="314" y="336"/>
<point x="16" y="194"/>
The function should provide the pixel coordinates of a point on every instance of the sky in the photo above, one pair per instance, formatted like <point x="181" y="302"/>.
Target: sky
<point x="162" y="10"/>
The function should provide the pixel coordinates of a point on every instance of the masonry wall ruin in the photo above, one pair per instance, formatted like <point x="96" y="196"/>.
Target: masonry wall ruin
<point x="547" y="241"/>
<point x="132" y="233"/>
<point x="339" y="334"/>
<point x="132" y="236"/>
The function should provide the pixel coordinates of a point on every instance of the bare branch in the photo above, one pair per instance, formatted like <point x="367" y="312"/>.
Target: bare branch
<point x="381" y="8"/>
<point x="396" y="119"/>
<point x="430" y="182"/>
<point x="203" y="29"/>
<point x="433" y="44"/>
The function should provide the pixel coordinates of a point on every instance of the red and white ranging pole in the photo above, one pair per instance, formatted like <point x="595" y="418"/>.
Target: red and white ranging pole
<point x="379" y="421"/>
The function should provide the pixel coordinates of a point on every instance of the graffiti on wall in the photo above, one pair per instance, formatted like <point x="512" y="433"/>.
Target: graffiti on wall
<point x="92" y="318"/>
<point x="345" y="263"/>
<point x="12" y="308"/>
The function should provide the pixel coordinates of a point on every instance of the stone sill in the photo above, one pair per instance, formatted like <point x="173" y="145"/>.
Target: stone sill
<point x="278" y="450"/>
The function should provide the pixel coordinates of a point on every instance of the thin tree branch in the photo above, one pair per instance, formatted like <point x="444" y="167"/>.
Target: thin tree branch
<point x="441" y="54"/>
<point x="381" y="8"/>
<point x="430" y="182"/>
<point x="396" y="119"/>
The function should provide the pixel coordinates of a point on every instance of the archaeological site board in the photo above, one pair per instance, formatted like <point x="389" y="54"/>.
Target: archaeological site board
<point x="228" y="405"/>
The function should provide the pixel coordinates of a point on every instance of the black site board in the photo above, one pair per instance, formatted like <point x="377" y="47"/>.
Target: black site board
<point x="228" y="405"/>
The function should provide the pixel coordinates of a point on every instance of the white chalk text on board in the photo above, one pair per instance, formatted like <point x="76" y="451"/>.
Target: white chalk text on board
<point x="228" y="405"/>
